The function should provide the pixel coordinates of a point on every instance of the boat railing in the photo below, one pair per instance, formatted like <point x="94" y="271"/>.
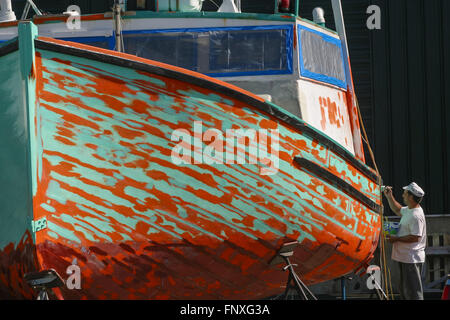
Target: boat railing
<point x="247" y="6"/>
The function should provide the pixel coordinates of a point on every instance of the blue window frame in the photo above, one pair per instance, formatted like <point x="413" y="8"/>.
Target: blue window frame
<point x="321" y="57"/>
<point x="232" y="51"/>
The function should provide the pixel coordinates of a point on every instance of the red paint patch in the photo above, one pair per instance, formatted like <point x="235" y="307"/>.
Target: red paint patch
<point x="127" y="133"/>
<point x="16" y="260"/>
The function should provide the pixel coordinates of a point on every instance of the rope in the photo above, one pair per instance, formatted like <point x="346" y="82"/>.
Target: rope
<point x="215" y="4"/>
<point x="386" y="270"/>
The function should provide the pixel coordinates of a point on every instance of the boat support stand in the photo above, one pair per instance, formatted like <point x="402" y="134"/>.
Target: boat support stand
<point x="44" y="281"/>
<point x="294" y="281"/>
<point x="379" y="291"/>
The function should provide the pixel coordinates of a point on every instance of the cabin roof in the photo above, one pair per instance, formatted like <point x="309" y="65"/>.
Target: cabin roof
<point x="58" y="18"/>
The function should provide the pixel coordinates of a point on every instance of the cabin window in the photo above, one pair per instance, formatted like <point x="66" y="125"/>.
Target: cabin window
<point x="173" y="48"/>
<point x="321" y="57"/>
<point x="249" y="51"/>
<point x="217" y="51"/>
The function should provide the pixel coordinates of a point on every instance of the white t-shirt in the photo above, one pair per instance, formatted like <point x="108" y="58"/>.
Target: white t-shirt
<point x="411" y="223"/>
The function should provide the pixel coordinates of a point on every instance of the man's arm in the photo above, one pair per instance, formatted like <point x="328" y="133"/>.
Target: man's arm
<point x="409" y="238"/>
<point x="393" y="204"/>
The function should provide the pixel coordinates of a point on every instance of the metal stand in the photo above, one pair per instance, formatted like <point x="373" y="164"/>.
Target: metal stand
<point x="43" y="281"/>
<point x="297" y="284"/>
<point x="29" y="4"/>
<point x="377" y="287"/>
<point x="380" y="293"/>
<point x="343" y="289"/>
<point x="43" y="295"/>
<point x="294" y="281"/>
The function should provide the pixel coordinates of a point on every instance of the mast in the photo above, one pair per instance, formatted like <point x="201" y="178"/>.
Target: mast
<point x="352" y="107"/>
<point x="117" y="9"/>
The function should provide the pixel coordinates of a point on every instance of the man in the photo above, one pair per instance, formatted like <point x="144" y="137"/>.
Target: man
<point x="408" y="246"/>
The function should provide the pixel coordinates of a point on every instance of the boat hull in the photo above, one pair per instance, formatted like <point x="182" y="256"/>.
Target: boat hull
<point x="114" y="200"/>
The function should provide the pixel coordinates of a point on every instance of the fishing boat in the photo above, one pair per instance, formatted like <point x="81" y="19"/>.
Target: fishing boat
<point x="133" y="178"/>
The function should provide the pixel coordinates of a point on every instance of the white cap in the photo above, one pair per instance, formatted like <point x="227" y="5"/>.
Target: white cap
<point x="414" y="189"/>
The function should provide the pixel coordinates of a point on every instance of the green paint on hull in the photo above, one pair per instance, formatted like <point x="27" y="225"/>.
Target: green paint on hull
<point x="15" y="198"/>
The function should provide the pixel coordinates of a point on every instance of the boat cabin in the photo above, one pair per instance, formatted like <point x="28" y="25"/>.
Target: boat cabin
<point x="262" y="46"/>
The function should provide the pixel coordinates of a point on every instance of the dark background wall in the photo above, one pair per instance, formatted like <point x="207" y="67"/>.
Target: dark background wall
<point x="402" y="78"/>
<point x="411" y="96"/>
<point x="59" y="6"/>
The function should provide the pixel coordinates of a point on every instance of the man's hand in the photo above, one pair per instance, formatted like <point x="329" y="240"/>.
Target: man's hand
<point x="391" y="238"/>
<point x="387" y="192"/>
<point x="393" y="204"/>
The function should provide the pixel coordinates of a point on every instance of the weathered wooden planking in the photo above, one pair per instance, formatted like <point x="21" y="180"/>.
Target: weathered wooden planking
<point x="140" y="226"/>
